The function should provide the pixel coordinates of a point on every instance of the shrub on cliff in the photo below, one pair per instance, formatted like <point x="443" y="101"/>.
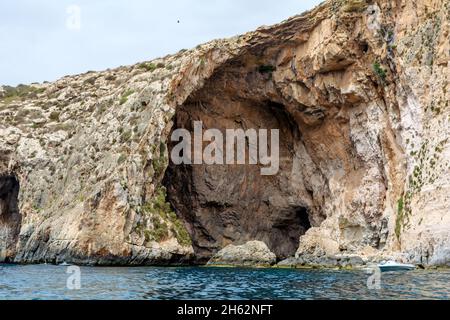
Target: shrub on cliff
<point x="54" y="116"/>
<point x="149" y="67"/>
<point x="354" y="5"/>
<point x="20" y="92"/>
<point x="381" y="73"/>
<point x="125" y="96"/>
<point x="163" y="217"/>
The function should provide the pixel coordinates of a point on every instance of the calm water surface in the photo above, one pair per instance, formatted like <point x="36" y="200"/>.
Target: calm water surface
<point x="50" y="282"/>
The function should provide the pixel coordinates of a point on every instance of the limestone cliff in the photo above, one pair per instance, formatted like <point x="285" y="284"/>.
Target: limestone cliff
<point x="359" y="90"/>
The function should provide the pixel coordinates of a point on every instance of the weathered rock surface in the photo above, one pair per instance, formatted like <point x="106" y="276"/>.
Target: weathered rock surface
<point x="88" y="154"/>
<point x="359" y="90"/>
<point x="251" y="254"/>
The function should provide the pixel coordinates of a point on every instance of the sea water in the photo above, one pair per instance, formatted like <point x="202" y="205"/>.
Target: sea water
<point x="148" y="283"/>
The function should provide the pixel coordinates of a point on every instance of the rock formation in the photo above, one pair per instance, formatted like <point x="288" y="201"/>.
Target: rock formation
<point x="358" y="89"/>
<point x="253" y="253"/>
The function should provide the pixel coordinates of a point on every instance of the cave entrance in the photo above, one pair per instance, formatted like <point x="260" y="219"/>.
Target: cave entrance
<point x="290" y="225"/>
<point x="234" y="204"/>
<point x="10" y="218"/>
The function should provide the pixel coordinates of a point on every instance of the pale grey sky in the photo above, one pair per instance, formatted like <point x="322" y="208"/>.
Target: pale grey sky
<point x="39" y="39"/>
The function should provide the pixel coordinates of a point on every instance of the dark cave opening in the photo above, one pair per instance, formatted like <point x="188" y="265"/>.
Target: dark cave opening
<point x="291" y="224"/>
<point x="10" y="218"/>
<point x="234" y="204"/>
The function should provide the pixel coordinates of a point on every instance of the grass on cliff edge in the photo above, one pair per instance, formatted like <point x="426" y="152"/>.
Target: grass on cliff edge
<point x="20" y="92"/>
<point x="149" y="66"/>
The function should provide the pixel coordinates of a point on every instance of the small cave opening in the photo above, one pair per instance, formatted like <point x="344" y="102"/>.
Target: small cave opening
<point x="303" y="217"/>
<point x="290" y="225"/>
<point x="223" y="204"/>
<point x="10" y="217"/>
<point x="364" y="47"/>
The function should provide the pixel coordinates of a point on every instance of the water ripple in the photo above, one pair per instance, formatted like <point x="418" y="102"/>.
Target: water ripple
<point x="49" y="282"/>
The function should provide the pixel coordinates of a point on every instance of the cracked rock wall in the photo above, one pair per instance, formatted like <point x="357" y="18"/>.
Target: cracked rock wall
<point x="365" y="84"/>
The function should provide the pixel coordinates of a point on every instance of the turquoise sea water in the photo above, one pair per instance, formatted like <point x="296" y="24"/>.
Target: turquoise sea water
<point x="50" y="282"/>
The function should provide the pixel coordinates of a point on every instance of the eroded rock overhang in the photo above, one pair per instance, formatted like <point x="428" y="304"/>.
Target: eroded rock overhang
<point x="312" y="80"/>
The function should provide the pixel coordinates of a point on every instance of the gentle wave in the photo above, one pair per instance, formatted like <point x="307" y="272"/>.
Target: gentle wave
<point x="147" y="283"/>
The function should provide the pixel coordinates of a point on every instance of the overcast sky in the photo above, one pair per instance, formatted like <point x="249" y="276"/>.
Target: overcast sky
<point x="47" y="39"/>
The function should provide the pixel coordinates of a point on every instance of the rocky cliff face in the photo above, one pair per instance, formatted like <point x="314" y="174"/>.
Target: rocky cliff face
<point x="358" y="89"/>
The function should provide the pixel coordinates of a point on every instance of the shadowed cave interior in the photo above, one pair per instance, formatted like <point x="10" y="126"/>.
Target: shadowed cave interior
<point x="10" y="218"/>
<point x="234" y="204"/>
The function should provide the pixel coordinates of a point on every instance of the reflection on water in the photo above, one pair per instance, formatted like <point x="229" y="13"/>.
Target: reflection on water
<point x="49" y="282"/>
